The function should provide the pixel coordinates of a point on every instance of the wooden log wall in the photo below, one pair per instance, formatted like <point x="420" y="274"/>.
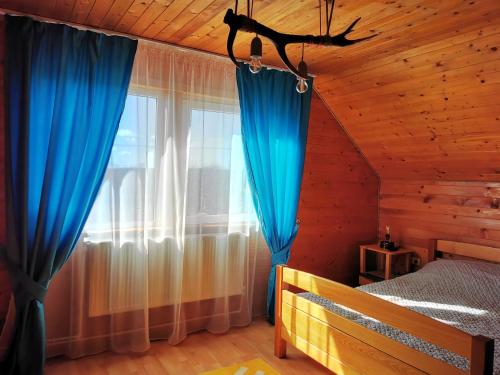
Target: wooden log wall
<point x="338" y="201"/>
<point x="418" y="211"/>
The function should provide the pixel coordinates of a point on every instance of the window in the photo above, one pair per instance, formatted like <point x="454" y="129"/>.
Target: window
<point x="217" y="193"/>
<point x="216" y="170"/>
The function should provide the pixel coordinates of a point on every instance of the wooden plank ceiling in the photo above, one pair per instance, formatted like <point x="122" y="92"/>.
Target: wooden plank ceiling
<point x="421" y="100"/>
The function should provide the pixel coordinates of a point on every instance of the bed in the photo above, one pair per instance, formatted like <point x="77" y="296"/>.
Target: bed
<point x="442" y="319"/>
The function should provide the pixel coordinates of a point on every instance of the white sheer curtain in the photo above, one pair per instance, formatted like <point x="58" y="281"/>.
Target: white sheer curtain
<point x="170" y="245"/>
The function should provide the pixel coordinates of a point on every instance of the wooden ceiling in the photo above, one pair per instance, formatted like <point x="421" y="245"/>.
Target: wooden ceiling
<point x="421" y="100"/>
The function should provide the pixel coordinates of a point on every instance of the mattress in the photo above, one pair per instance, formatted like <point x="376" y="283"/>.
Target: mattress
<point x="462" y="293"/>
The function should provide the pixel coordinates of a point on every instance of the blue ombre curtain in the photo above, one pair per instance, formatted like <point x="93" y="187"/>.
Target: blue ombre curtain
<point x="65" y="93"/>
<point x="274" y="122"/>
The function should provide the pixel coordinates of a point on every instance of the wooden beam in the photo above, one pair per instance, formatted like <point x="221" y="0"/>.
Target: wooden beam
<point x="469" y="250"/>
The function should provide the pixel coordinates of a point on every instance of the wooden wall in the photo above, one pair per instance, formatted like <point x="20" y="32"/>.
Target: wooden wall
<point x="338" y="201"/>
<point x="418" y="211"/>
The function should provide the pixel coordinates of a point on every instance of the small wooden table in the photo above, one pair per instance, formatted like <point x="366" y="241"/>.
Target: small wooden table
<point x="366" y="277"/>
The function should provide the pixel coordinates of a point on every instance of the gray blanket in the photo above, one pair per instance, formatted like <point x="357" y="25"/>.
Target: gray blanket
<point x="465" y="294"/>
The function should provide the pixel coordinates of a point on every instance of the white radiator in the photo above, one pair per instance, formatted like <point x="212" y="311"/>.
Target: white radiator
<point x="211" y="266"/>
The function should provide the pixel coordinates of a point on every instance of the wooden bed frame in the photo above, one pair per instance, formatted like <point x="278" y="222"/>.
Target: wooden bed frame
<point x="345" y="347"/>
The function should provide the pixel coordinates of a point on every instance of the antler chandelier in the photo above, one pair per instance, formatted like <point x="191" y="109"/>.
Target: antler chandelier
<point x="247" y="24"/>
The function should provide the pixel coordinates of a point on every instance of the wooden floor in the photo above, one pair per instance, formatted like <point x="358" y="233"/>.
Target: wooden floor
<point x="199" y="352"/>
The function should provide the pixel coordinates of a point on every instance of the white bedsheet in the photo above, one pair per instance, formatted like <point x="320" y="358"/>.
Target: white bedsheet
<point x="465" y="294"/>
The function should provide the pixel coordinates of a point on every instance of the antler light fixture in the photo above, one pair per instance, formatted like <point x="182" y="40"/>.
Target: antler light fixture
<point x="247" y="24"/>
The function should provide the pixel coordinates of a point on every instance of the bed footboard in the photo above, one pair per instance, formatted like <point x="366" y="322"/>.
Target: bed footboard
<point x="346" y="347"/>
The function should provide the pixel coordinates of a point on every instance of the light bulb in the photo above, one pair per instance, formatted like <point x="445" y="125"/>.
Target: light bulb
<point x="302" y="85"/>
<point x="255" y="55"/>
<point x="255" y="65"/>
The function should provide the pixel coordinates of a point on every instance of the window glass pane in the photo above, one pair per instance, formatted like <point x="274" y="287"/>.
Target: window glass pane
<point x="120" y="204"/>
<point x="217" y="182"/>
<point x="135" y="139"/>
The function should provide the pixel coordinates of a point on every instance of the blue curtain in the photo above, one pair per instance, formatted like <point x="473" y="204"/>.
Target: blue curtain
<point x="65" y="93"/>
<point x="274" y="122"/>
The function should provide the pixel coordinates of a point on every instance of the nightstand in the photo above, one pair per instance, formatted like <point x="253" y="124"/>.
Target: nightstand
<point x="376" y="264"/>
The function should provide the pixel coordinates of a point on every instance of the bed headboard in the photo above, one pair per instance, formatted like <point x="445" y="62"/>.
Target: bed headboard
<point x="462" y="250"/>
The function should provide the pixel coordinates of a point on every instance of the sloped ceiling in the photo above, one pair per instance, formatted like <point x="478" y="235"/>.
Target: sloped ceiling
<point x="421" y="100"/>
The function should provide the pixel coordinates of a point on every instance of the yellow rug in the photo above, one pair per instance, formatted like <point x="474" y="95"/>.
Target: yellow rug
<point x="254" y="367"/>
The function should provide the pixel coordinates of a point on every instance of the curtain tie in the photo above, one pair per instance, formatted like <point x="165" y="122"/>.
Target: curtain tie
<point x="281" y="257"/>
<point x="25" y="288"/>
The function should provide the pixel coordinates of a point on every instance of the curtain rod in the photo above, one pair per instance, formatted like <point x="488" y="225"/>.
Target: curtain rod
<point x="4" y="11"/>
